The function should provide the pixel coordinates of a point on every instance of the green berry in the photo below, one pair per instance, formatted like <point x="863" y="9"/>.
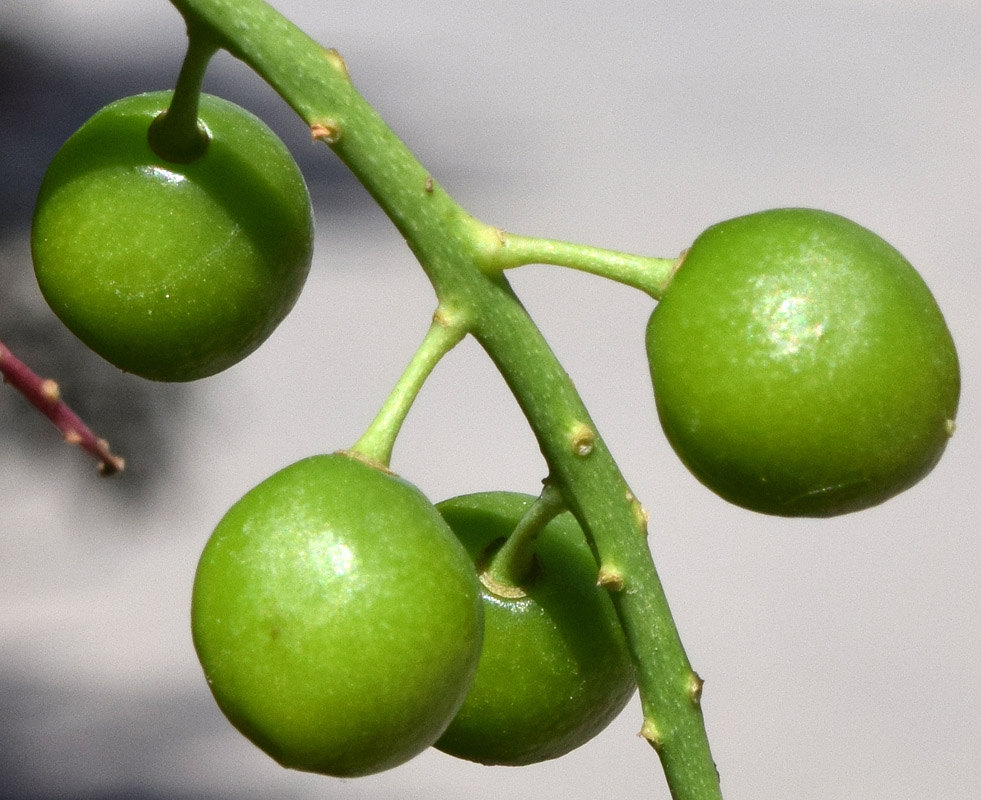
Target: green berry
<point x="555" y="668"/>
<point x="172" y="271"/>
<point x="801" y="367"/>
<point x="337" y="618"/>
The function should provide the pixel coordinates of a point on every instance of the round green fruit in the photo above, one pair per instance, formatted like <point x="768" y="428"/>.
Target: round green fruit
<point x="555" y="668"/>
<point x="801" y="367"/>
<point x="337" y="618"/>
<point x="172" y="271"/>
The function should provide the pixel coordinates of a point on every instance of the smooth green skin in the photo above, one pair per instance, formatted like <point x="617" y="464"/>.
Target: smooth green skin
<point x="801" y="367"/>
<point x="337" y="618"/>
<point x="172" y="271"/>
<point x="555" y="668"/>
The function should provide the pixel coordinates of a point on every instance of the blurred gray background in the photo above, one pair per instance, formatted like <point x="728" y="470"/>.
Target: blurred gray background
<point x="841" y="657"/>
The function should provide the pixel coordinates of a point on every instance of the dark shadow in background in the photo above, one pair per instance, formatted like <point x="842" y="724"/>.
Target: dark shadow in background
<point x="43" y="100"/>
<point x="136" y="735"/>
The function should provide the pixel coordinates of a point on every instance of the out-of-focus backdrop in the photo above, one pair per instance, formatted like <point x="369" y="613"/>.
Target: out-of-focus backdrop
<point x="841" y="657"/>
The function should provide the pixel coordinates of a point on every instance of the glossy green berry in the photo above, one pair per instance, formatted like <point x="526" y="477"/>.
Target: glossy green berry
<point x="555" y="668"/>
<point x="173" y="271"/>
<point x="337" y="618"/>
<point x="801" y="367"/>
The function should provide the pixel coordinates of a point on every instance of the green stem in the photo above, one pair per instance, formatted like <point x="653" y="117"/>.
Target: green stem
<point x="512" y="564"/>
<point x="176" y="135"/>
<point x="457" y="254"/>
<point x="649" y="274"/>
<point x="443" y="335"/>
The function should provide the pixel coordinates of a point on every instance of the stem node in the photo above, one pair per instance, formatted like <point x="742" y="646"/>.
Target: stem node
<point x="650" y="732"/>
<point x="327" y="131"/>
<point x="50" y="390"/>
<point x="583" y="439"/>
<point x="610" y="579"/>
<point x="337" y="61"/>
<point x="695" y="685"/>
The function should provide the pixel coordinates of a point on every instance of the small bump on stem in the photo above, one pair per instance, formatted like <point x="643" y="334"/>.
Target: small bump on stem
<point x="582" y="439"/>
<point x="337" y="61"/>
<point x="642" y="517"/>
<point x="950" y="426"/>
<point x="50" y="390"/>
<point x="445" y="317"/>
<point x="327" y="131"/>
<point x="429" y="185"/>
<point x="650" y="732"/>
<point x="695" y="685"/>
<point x="610" y="579"/>
<point x="641" y="514"/>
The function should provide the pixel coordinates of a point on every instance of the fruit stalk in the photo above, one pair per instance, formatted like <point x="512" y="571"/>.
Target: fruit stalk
<point x="461" y="257"/>
<point x="649" y="274"/>
<point x="513" y="563"/>
<point x="443" y="335"/>
<point x="176" y="135"/>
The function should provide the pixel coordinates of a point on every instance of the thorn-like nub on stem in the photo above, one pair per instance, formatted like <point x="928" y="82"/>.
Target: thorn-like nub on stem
<point x="610" y="579"/>
<point x="650" y="732"/>
<point x="695" y="685"/>
<point x="582" y="439"/>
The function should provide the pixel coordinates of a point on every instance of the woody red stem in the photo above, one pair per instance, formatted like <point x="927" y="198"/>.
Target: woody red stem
<point x="45" y="396"/>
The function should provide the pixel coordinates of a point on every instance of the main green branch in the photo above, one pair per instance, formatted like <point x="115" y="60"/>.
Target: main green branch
<point x="464" y="259"/>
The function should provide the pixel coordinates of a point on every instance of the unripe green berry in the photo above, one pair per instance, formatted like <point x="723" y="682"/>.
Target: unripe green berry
<point x="337" y="618"/>
<point x="801" y="366"/>
<point x="172" y="271"/>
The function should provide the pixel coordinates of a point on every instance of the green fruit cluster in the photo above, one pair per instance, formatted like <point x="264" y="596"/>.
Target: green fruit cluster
<point x="341" y="627"/>
<point x="800" y="367"/>
<point x="338" y="618"/>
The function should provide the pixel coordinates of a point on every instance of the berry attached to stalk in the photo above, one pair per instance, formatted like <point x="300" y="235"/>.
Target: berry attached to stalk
<point x="337" y="618"/>
<point x="800" y="365"/>
<point x="555" y="667"/>
<point x="173" y="268"/>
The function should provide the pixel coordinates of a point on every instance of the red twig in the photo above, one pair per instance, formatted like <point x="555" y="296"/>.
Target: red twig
<point x="44" y="395"/>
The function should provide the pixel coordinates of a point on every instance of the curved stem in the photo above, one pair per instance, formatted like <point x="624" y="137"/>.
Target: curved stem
<point x="595" y="491"/>
<point x="452" y="248"/>
<point x="649" y="274"/>
<point x="511" y="565"/>
<point x="176" y="134"/>
<point x="377" y="441"/>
